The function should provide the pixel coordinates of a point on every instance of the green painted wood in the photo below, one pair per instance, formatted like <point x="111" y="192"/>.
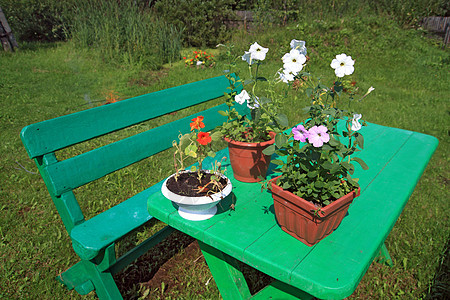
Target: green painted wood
<point x="384" y="257"/>
<point x="66" y="204"/>
<point x="278" y="290"/>
<point x="108" y="258"/>
<point x="226" y="272"/>
<point x="348" y="251"/>
<point x="77" y="171"/>
<point x="76" y="276"/>
<point x="93" y="235"/>
<point x="355" y="243"/>
<point x="51" y="135"/>
<point x="141" y="249"/>
<point x="93" y="240"/>
<point x="105" y="287"/>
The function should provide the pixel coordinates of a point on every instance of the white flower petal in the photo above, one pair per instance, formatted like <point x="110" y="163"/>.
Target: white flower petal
<point x="242" y="97"/>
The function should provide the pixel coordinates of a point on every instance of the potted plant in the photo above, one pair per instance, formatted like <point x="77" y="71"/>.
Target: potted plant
<point x="248" y="137"/>
<point x="315" y="187"/>
<point x="197" y="191"/>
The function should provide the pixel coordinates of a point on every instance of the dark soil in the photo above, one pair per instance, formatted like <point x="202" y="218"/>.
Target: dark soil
<point x="187" y="184"/>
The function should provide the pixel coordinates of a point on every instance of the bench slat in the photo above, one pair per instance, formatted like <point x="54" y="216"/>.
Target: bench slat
<point x="79" y="170"/>
<point x="52" y="135"/>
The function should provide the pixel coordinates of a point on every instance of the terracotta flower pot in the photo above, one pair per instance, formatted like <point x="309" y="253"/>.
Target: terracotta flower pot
<point x="296" y="215"/>
<point x="248" y="161"/>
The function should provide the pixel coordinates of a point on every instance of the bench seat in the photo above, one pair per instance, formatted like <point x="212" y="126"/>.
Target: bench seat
<point x="95" y="234"/>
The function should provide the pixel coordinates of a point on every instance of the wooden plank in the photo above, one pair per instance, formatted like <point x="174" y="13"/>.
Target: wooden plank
<point x="52" y="135"/>
<point x="79" y="170"/>
<point x="354" y="244"/>
<point x="226" y="272"/>
<point x="264" y="255"/>
<point x="94" y="232"/>
<point x="6" y="36"/>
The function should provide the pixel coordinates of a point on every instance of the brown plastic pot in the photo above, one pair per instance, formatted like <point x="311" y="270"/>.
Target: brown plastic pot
<point x="247" y="160"/>
<point x="296" y="216"/>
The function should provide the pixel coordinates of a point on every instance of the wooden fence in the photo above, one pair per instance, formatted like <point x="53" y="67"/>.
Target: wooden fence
<point x="440" y="25"/>
<point x="6" y="37"/>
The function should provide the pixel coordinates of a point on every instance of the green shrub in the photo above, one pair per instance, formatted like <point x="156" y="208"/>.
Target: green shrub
<point x="203" y="20"/>
<point x="37" y="20"/>
<point x="406" y="12"/>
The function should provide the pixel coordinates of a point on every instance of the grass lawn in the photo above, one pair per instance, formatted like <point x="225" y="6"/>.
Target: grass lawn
<point x="408" y="70"/>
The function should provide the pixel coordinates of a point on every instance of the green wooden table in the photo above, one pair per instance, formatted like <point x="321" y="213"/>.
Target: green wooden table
<point x="331" y="269"/>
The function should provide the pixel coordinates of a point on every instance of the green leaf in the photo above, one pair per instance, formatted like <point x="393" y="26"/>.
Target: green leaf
<point x="278" y="162"/>
<point x="223" y="113"/>
<point x="261" y="79"/>
<point x="361" y="163"/>
<point x="327" y="165"/>
<point x="264" y="100"/>
<point x="216" y="136"/>
<point x="193" y="169"/>
<point x="280" y="139"/>
<point x="360" y="140"/>
<point x="282" y="120"/>
<point x="269" y="150"/>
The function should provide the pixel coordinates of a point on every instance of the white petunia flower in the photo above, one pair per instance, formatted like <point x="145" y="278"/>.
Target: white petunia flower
<point x="294" y="60"/>
<point x="255" y="103"/>
<point x="342" y="65"/>
<point x="355" y="122"/>
<point x="242" y="97"/>
<point x="258" y="52"/>
<point x="287" y="75"/>
<point x="299" y="45"/>
<point x="247" y="57"/>
<point x="199" y="63"/>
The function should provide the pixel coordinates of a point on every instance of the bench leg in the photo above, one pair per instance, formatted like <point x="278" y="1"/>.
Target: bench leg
<point x="232" y="284"/>
<point x="84" y="277"/>
<point x="384" y="257"/>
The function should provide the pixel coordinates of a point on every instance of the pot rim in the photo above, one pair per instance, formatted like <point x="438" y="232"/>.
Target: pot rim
<point x="327" y="210"/>
<point x="249" y="144"/>
<point x="199" y="200"/>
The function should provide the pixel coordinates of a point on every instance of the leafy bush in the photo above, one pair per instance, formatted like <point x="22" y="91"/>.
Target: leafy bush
<point x="37" y="20"/>
<point x="203" y="21"/>
<point x="404" y="11"/>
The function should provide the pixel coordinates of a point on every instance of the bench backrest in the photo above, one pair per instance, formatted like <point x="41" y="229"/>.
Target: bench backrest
<point x="42" y="139"/>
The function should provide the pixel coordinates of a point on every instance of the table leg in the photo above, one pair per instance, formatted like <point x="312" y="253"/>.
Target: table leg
<point x="226" y="273"/>
<point x="384" y="257"/>
<point x="232" y="284"/>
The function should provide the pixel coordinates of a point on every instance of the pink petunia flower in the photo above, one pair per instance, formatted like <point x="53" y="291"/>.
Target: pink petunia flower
<point x="300" y="133"/>
<point x="317" y="135"/>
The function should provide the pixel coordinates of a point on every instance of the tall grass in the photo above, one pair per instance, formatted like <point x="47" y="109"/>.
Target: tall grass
<point x="123" y="33"/>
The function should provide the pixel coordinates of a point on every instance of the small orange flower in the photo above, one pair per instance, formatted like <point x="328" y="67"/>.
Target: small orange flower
<point x="184" y="57"/>
<point x="203" y="138"/>
<point x="197" y="123"/>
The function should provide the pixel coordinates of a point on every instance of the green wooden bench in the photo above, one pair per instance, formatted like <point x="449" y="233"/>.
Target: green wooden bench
<point x="331" y="269"/>
<point x="94" y="240"/>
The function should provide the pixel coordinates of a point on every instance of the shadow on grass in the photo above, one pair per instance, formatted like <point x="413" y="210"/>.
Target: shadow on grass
<point x="440" y="285"/>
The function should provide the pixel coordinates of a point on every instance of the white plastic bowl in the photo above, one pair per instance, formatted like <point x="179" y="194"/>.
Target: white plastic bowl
<point x="197" y="208"/>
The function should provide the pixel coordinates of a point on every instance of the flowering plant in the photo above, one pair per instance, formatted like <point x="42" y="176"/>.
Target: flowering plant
<point x="260" y="95"/>
<point x="319" y="161"/>
<point x="200" y="59"/>
<point x="198" y="145"/>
